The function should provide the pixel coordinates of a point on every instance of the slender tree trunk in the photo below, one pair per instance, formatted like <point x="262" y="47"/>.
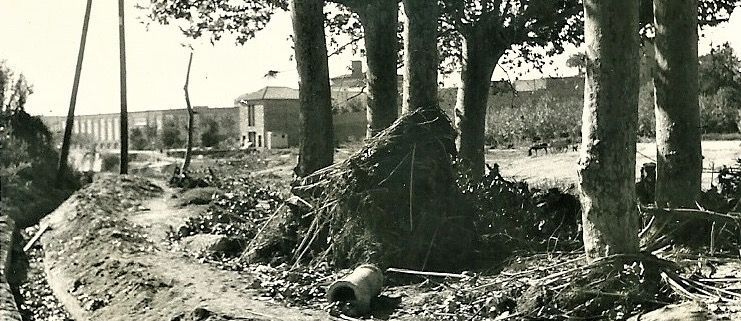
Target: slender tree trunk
<point x="316" y="148"/>
<point x="189" y="146"/>
<point x="479" y="60"/>
<point x="124" y="113"/>
<point x="678" y="139"/>
<point x="379" y="19"/>
<point x="608" y="151"/>
<point x="66" y="141"/>
<point x="420" y="55"/>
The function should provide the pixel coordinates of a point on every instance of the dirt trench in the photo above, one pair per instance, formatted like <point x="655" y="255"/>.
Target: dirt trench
<point x="113" y="262"/>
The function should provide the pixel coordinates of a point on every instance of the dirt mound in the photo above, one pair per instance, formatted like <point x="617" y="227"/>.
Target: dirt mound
<point x="393" y="203"/>
<point x="108" y="258"/>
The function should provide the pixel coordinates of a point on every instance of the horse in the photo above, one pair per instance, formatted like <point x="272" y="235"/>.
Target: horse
<point x="536" y="147"/>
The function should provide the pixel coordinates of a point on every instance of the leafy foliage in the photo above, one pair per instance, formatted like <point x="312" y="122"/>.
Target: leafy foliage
<point x="217" y="132"/>
<point x="511" y="215"/>
<point x="520" y="27"/>
<point x="720" y="112"/>
<point x="721" y="70"/>
<point x="138" y="139"/>
<point x="28" y="162"/>
<point x="213" y="19"/>
<point x="235" y="213"/>
<point x="720" y="90"/>
<point x="173" y="133"/>
<point x="543" y="115"/>
<point x="243" y="19"/>
<point x="710" y="13"/>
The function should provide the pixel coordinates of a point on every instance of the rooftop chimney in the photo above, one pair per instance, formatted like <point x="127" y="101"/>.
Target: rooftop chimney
<point x="357" y="69"/>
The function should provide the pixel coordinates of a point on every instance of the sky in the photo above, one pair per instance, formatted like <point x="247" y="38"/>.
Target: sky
<point x="40" y="39"/>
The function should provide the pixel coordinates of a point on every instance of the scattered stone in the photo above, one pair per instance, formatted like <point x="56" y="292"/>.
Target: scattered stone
<point x="211" y="243"/>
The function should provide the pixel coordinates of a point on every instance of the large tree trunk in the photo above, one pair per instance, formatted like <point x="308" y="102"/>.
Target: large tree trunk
<point x="316" y="148"/>
<point x="480" y="57"/>
<point x="608" y="151"/>
<point x="678" y="139"/>
<point x="420" y="55"/>
<point x="124" y="112"/>
<point x="379" y="19"/>
<point x="189" y="145"/>
<point x="67" y="140"/>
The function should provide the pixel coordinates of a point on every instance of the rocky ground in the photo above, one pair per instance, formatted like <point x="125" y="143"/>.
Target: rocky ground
<point x="125" y="248"/>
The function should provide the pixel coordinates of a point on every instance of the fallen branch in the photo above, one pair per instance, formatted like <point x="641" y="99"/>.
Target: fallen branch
<point x="36" y="237"/>
<point x="687" y="213"/>
<point x="432" y="274"/>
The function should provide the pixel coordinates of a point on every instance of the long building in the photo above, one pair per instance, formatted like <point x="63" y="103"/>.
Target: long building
<point x="104" y="131"/>
<point x="266" y="118"/>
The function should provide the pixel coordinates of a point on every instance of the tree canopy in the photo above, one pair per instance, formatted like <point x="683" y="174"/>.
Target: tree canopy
<point x="719" y="69"/>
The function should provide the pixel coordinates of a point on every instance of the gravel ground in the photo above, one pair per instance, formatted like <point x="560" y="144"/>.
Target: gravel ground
<point x="39" y="304"/>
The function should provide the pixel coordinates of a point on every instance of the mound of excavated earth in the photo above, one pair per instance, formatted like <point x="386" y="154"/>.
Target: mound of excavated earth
<point x="107" y="259"/>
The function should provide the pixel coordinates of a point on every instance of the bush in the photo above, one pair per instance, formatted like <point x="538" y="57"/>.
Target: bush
<point x="138" y="139"/>
<point x="718" y="112"/>
<point x="512" y="216"/>
<point x="28" y="169"/>
<point x="533" y="115"/>
<point x="110" y="163"/>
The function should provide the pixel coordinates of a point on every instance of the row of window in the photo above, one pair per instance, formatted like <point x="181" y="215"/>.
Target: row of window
<point x="100" y="129"/>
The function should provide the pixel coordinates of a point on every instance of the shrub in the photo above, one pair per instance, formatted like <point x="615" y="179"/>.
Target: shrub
<point x="28" y="168"/>
<point x="513" y="216"/>
<point x="110" y="163"/>
<point x="533" y="115"/>
<point x="719" y="114"/>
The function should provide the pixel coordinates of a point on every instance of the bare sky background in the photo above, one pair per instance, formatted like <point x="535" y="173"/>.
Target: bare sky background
<point x="40" y="38"/>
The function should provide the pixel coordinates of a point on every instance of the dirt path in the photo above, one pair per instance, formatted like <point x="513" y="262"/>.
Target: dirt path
<point x="110" y="280"/>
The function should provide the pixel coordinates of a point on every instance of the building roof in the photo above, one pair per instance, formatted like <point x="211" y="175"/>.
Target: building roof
<point x="269" y="93"/>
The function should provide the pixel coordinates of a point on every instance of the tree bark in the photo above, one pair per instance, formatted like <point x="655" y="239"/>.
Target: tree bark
<point x="678" y="138"/>
<point x="122" y="73"/>
<point x="66" y="141"/>
<point x="479" y="60"/>
<point x="316" y="148"/>
<point x="608" y="151"/>
<point x="379" y="19"/>
<point x="189" y="145"/>
<point x="420" y="55"/>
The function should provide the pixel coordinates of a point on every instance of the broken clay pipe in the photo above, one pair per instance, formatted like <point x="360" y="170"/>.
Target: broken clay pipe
<point x="357" y="289"/>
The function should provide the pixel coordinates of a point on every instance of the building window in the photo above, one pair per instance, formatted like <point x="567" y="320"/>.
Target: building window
<point x="259" y="140"/>
<point x="251" y="115"/>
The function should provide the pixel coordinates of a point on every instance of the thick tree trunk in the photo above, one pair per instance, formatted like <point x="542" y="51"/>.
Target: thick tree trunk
<point x="608" y="151"/>
<point x="678" y="139"/>
<point x="420" y="55"/>
<point x="189" y="146"/>
<point x="316" y="148"/>
<point x="479" y="60"/>
<point x="379" y="19"/>
<point x="124" y="112"/>
<point x="67" y="140"/>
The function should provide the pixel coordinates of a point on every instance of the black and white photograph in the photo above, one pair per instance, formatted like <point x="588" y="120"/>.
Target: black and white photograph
<point x="307" y="160"/>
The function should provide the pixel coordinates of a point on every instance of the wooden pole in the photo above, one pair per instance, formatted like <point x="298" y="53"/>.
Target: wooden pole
<point x="66" y="141"/>
<point x="124" y="113"/>
<point x="189" y="146"/>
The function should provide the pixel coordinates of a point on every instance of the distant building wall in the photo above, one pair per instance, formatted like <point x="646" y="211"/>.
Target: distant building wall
<point x="350" y="126"/>
<point x="104" y="130"/>
<point x="283" y="116"/>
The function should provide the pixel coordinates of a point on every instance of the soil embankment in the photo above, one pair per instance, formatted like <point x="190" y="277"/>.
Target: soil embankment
<point x="8" y="307"/>
<point x="107" y="259"/>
